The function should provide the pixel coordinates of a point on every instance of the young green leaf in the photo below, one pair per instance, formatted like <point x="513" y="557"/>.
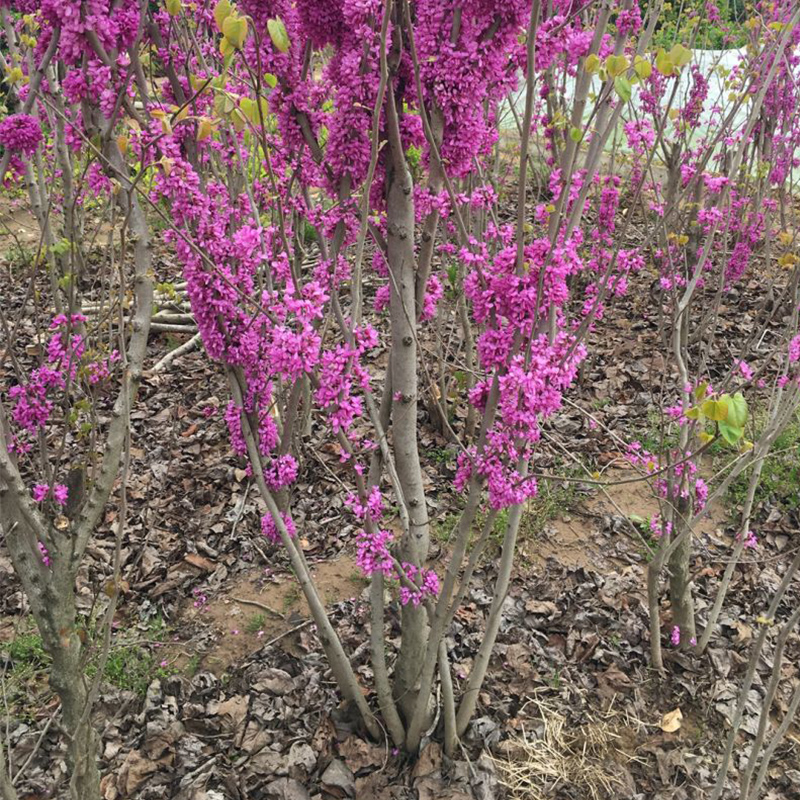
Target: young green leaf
<point x="730" y="433"/>
<point x="623" y="87"/>
<point x="700" y="391"/>
<point x="235" y="30"/>
<point x="737" y="409"/>
<point x="664" y="63"/>
<point x="616" y="65"/>
<point x="592" y="64"/>
<point x="222" y="11"/>
<point x="716" y="410"/>
<point x="277" y="32"/>
<point x="642" y="68"/>
<point x="680" y="56"/>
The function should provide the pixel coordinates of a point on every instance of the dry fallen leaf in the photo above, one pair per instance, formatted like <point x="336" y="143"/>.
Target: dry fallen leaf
<point x="744" y="632"/>
<point x="671" y="721"/>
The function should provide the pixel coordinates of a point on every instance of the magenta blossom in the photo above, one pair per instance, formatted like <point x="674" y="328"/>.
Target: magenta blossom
<point x="20" y="133"/>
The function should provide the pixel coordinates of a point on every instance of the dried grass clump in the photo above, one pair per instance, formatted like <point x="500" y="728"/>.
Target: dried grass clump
<point x="586" y="759"/>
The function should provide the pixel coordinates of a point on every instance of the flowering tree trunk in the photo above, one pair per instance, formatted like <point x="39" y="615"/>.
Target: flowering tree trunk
<point x="402" y="311"/>
<point x="47" y="524"/>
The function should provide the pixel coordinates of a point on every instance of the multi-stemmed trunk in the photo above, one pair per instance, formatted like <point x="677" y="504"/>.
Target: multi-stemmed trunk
<point x="52" y="598"/>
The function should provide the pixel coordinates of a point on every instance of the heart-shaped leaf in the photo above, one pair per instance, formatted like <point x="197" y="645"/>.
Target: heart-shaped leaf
<point x="235" y="30"/>
<point x="277" y="32"/>
<point x="222" y="11"/>
<point x="623" y="87"/>
<point x="730" y="433"/>
<point x="716" y="410"/>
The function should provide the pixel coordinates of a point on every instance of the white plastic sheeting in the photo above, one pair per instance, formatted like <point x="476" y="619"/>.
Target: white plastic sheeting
<point x="708" y="60"/>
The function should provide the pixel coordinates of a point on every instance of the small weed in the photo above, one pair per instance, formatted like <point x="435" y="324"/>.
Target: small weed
<point x="553" y="499"/>
<point x="256" y="623"/>
<point x="554" y="681"/>
<point x="132" y="668"/>
<point x="19" y="258"/>
<point x="441" y="455"/>
<point x="648" y="544"/>
<point x="358" y="579"/>
<point x="26" y="650"/>
<point x="128" y="666"/>
<point x="444" y="527"/>
<point x="780" y="476"/>
<point x="292" y="596"/>
<point x="655" y="438"/>
<point x="192" y="666"/>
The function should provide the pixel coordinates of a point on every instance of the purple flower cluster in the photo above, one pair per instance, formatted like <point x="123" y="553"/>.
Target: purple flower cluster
<point x="42" y="490"/>
<point x="270" y="530"/>
<point x="20" y="133"/>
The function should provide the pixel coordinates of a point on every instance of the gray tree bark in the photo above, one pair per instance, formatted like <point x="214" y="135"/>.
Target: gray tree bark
<point x="402" y="307"/>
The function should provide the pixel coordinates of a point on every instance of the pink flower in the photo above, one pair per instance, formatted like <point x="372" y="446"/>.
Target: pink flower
<point x="675" y="636"/>
<point x="44" y="553"/>
<point x="744" y="368"/>
<point x="270" y="530"/>
<point x="794" y="350"/>
<point x="40" y="491"/>
<point x="60" y="493"/>
<point x="20" y="133"/>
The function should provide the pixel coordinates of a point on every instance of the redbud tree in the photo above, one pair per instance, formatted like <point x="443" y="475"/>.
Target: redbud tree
<point x="72" y="371"/>
<point x="328" y="175"/>
<point x="285" y="117"/>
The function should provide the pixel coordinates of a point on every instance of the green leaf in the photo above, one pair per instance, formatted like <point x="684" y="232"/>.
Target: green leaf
<point x="249" y="109"/>
<point x="270" y="80"/>
<point x="664" y="63"/>
<point x="576" y="134"/>
<point x="227" y="50"/>
<point x="643" y="68"/>
<point x="277" y="32"/>
<point x="452" y="274"/>
<point x="700" y="391"/>
<point x="235" y="30"/>
<point x="680" y="55"/>
<point x="592" y="64"/>
<point x="694" y="413"/>
<point x="716" y="410"/>
<point x="623" y="87"/>
<point x="61" y="247"/>
<point x="737" y="409"/>
<point x="173" y="7"/>
<point x="730" y="433"/>
<point x="616" y="65"/>
<point x="222" y="11"/>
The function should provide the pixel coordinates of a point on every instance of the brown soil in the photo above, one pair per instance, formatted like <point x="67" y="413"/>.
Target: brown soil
<point x="258" y="608"/>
